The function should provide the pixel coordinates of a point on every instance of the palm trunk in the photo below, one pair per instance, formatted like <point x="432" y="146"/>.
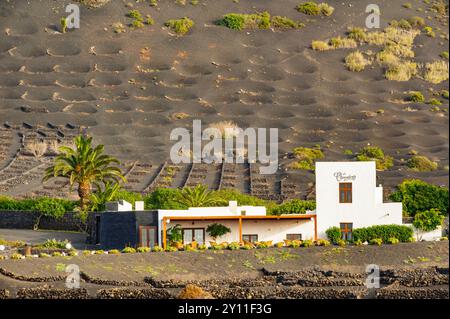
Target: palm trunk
<point x="84" y="190"/>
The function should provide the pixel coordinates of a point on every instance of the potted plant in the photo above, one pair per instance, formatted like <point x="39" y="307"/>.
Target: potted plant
<point x="217" y="230"/>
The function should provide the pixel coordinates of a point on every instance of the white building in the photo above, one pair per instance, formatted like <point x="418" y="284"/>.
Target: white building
<point x="247" y="223"/>
<point x="347" y="197"/>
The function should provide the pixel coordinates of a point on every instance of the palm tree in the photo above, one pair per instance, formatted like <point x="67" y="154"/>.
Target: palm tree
<point x="84" y="165"/>
<point x="198" y="196"/>
<point x="100" y="197"/>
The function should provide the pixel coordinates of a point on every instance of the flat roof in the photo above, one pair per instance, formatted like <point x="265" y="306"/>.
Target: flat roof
<point x="237" y="217"/>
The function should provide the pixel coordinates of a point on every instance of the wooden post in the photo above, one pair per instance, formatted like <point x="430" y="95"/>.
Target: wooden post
<point x="315" y="228"/>
<point x="240" y="229"/>
<point x="164" y="222"/>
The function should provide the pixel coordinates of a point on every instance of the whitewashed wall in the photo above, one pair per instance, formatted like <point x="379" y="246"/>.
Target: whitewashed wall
<point x="366" y="209"/>
<point x="275" y="230"/>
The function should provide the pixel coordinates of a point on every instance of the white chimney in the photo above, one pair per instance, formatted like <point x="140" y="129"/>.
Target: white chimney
<point x="139" y="206"/>
<point x="232" y="204"/>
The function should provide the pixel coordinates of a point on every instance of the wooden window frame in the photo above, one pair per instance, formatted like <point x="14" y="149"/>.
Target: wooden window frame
<point x="346" y="230"/>
<point x="347" y="190"/>
<point x="193" y="228"/>
<point x="251" y="235"/>
<point x="141" y="228"/>
<point x="299" y="235"/>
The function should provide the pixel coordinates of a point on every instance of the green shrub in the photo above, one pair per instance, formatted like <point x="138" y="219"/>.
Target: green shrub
<point x="357" y="34"/>
<point x="333" y="234"/>
<point x="136" y="24"/>
<point x="143" y="249"/>
<point x="416" y="96"/>
<point x="376" y="241"/>
<point x="444" y="55"/>
<point x="312" y="8"/>
<point x="163" y="198"/>
<point x="295" y="244"/>
<point x="51" y="207"/>
<point x="384" y="232"/>
<point x="285" y="23"/>
<point x="419" y="196"/>
<point x="202" y="247"/>
<point x="306" y="243"/>
<point x="443" y="238"/>
<point x="356" y="62"/>
<point x="246" y="247"/>
<point x="44" y="255"/>
<point x="428" y="220"/>
<point x="149" y="20"/>
<point x="128" y="250"/>
<point x="16" y="256"/>
<point x="309" y="8"/>
<point x="348" y="152"/>
<point x="341" y="243"/>
<point x="242" y="199"/>
<point x="421" y="163"/>
<point x="180" y="26"/>
<point x="189" y="248"/>
<point x="171" y="249"/>
<point x="393" y="241"/>
<point x="416" y="21"/>
<point x="357" y="242"/>
<point x="55" y="244"/>
<point x="411" y="240"/>
<point x="63" y="24"/>
<point x="99" y="252"/>
<point x="157" y="249"/>
<point x="279" y="245"/>
<point x="434" y="101"/>
<point x="56" y="254"/>
<point x="233" y="21"/>
<point x="87" y="252"/>
<point x="429" y="31"/>
<point x="237" y="21"/>
<point x="374" y="153"/>
<point x="323" y="242"/>
<point x="233" y="246"/>
<point x="113" y="252"/>
<point x="326" y="9"/>
<point x="295" y="206"/>
<point x="136" y="15"/>
<point x="306" y="157"/>
<point x="261" y="244"/>
<point x="72" y="253"/>
<point x="445" y="94"/>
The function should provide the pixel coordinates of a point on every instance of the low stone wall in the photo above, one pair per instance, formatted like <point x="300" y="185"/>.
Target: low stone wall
<point x="10" y="219"/>
<point x="4" y="294"/>
<point x="125" y="293"/>
<point x="413" y="293"/>
<point x="52" y="293"/>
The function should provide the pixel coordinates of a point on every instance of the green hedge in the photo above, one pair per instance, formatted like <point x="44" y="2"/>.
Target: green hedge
<point x="418" y="196"/>
<point x="36" y="204"/>
<point x="385" y="232"/>
<point x="295" y="206"/>
<point x="333" y="234"/>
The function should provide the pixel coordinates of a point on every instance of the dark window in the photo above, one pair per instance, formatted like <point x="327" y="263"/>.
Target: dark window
<point x="147" y="236"/>
<point x="294" y="236"/>
<point x="97" y="230"/>
<point x="345" y="192"/>
<point x="253" y="238"/>
<point x="346" y="231"/>
<point x="191" y="234"/>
